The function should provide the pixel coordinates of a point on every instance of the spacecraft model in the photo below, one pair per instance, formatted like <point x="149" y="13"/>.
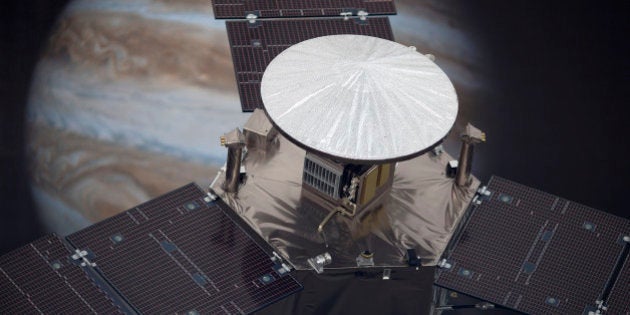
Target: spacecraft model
<point x="338" y="167"/>
<point x="350" y="123"/>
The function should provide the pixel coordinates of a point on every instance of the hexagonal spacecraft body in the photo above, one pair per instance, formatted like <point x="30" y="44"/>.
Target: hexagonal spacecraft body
<point x="356" y="104"/>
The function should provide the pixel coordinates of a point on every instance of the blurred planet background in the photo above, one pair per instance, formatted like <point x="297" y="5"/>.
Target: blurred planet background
<point x="109" y="103"/>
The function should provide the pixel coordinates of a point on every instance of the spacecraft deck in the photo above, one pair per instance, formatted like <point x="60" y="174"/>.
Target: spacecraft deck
<point x="421" y="213"/>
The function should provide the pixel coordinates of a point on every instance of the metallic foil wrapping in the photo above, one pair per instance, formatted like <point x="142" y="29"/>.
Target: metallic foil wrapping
<point x="421" y="211"/>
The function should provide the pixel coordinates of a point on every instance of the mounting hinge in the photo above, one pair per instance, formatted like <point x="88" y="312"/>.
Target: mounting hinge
<point x="251" y="17"/>
<point x="279" y="265"/>
<point x="347" y="13"/>
<point x="482" y="194"/>
<point x="82" y="257"/>
<point x="318" y="262"/>
<point x="598" y="309"/>
<point x="276" y="257"/>
<point x="444" y="264"/>
<point x="362" y="15"/>
<point x="210" y="196"/>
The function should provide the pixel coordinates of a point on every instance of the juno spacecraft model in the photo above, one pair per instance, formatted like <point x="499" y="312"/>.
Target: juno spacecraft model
<point x="338" y="167"/>
<point x="350" y="124"/>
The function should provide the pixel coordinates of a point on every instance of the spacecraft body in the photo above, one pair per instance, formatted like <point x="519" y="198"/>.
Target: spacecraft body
<point x="259" y="133"/>
<point x="354" y="102"/>
<point x="350" y="188"/>
<point x="347" y="163"/>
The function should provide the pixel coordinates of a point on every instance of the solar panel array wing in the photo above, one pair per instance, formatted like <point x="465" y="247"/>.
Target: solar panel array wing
<point x="181" y="254"/>
<point x="253" y="47"/>
<point x="239" y="9"/>
<point x="537" y="253"/>
<point x="41" y="277"/>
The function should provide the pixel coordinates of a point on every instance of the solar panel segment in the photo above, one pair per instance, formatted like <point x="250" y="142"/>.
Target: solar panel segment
<point x="253" y="47"/>
<point x="537" y="253"/>
<point x="180" y="254"/>
<point x="619" y="299"/>
<point x="238" y="9"/>
<point x="42" y="278"/>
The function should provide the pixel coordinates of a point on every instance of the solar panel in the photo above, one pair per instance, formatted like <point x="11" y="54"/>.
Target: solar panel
<point x="253" y="47"/>
<point x="181" y="254"/>
<point x="537" y="253"/>
<point x="42" y="278"/>
<point x="226" y="9"/>
<point x="619" y="299"/>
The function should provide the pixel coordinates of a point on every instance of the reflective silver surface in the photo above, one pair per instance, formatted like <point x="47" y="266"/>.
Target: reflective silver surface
<point x="359" y="98"/>
<point x="421" y="211"/>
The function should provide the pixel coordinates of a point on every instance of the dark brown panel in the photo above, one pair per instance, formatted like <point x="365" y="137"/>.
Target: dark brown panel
<point x="181" y="254"/>
<point x="537" y="253"/>
<point x="42" y="278"/>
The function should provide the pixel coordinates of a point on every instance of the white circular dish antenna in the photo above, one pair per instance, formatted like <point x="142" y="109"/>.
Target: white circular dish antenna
<point x="359" y="98"/>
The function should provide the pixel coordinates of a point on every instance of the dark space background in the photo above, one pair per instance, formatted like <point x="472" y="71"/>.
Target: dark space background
<point x="555" y="113"/>
<point x="25" y="27"/>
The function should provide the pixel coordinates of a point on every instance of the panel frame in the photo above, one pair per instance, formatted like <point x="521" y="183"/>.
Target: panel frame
<point x="282" y="9"/>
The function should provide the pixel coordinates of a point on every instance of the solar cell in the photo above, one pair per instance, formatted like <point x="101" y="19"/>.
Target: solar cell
<point x="537" y="253"/>
<point x="226" y="9"/>
<point x="42" y="278"/>
<point x="179" y="254"/>
<point x="254" y="46"/>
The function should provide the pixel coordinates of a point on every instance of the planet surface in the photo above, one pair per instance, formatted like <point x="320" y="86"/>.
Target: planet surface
<point x="130" y="97"/>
